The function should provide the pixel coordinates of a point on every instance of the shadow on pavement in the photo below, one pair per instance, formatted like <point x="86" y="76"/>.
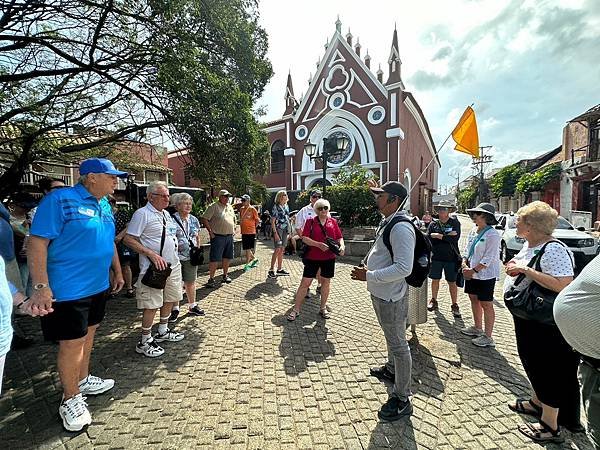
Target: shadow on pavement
<point x="29" y="405"/>
<point x="393" y="435"/>
<point x="268" y="288"/>
<point x="303" y="341"/>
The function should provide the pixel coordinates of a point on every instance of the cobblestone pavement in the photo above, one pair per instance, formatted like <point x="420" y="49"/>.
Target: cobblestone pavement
<point x="244" y="377"/>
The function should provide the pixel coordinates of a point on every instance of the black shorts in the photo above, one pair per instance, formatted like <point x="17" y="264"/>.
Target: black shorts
<point x="71" y="319"/>
<point x="248" y="241"/>
<point x="483" y="289"/>
<point x="312" y="266"/>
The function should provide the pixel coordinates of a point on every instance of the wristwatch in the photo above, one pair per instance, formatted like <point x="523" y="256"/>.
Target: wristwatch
<point x="39" y="286"/>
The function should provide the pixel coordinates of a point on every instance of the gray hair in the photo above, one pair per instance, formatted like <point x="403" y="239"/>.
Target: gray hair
<point x="174" y="199"/>
<point x="82" y="179"/>
<point x="182" y="197"/>
<point x="154" y="185"/>
<point x="321" y="202"/>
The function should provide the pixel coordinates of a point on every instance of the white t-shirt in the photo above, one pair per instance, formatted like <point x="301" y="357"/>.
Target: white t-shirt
<point x="147" y="224"/>
<point x="303" y="215"/>
<point x="556" y="261"/>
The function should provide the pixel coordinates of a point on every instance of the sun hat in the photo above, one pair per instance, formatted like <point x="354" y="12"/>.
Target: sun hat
<point x="485" y="208"/>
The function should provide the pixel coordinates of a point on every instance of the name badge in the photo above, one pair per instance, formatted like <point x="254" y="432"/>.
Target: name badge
<point x="86" y="211"/>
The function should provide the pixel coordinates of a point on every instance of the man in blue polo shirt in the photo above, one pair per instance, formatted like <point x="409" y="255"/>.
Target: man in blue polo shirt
<point x="70" y="253"/>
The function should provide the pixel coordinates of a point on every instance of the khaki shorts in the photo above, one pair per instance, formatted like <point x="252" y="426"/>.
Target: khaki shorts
<point x="150" y="298"/>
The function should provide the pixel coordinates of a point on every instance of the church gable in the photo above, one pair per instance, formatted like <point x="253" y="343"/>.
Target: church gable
<point x="342" y="82"/>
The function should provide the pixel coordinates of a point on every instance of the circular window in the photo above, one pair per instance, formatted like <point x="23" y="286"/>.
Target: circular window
<point x="336" y="101"/>
<point x="340" y="157"/>
<point x="376" y="115"/>
<point x="301" y="132"/>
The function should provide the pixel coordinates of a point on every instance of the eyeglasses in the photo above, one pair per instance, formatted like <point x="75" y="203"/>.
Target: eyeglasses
<point x="322" y="208"/>
<point x="160" y="195"/>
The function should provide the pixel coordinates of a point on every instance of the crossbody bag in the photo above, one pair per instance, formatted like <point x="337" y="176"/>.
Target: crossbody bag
<point x="154" y="277"/>
<point x="196" y="253"/>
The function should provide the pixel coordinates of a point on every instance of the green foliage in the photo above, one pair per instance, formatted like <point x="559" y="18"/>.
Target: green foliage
<point x="505" y="181"/>
<point x="198" y="205"/>
<point x="258" y="192"/>
<point x="467" y="197"/>
<point x="355" y="205"/>
<point x="536" y="181"/>
<point x="353" y="174"/>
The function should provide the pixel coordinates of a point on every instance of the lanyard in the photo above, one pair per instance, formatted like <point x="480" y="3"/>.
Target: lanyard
<point x="477" y="239"/>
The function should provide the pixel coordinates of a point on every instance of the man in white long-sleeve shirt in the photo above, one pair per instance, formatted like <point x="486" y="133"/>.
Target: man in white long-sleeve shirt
<point x="389" y="293"/>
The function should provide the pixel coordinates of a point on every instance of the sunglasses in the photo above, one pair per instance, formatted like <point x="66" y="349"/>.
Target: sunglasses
<point x="315" y="196"/>
<point x="322" y="208"/>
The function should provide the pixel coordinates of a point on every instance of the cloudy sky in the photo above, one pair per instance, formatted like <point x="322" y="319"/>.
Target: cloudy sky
<point x="528" y="66"/>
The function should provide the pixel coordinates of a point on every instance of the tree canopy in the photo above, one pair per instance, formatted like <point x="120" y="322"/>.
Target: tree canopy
<point x="505" y="181"/>
<point x="536" y="181"/>
<point x="80" y="74"/>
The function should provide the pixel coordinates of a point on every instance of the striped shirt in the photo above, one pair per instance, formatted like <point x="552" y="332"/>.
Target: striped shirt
<point x="577" y="311"/>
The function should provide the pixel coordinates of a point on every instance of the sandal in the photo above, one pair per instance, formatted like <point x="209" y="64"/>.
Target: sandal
<point x="534" y="410"/>
<point x="541" y="433"/>
<point x="292" y="315"/>
<point x="324" y="313"/>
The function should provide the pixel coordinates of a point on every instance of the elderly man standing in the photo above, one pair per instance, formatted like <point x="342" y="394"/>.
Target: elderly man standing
<point x="577" y="314"/>
<point x="386" y="282"/>
<point x="219" y="220"/>
<point x="152" y="233"/>
<point x="71" y="250"/>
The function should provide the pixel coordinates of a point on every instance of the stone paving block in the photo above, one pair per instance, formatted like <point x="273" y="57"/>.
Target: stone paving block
<point x="244" y="377"/>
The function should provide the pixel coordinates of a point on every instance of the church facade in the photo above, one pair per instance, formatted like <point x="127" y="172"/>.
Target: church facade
<point x="387" y="130"/>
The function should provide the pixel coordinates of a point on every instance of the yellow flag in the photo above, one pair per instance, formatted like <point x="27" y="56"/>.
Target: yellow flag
<point x="465" y="134"/>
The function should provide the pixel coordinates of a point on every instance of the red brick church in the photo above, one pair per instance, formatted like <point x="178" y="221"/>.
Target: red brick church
<point x="386" y="128"/>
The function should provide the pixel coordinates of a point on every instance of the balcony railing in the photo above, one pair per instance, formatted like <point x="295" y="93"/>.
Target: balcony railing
<point x="31" y="177"/>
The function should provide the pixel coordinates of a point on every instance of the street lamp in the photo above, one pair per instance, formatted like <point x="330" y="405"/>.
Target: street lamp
<point x="332" y="146"/>
<point x="129" y="188"/>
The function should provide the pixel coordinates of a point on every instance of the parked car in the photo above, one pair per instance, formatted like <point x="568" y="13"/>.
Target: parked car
<point x="583" y="245"/>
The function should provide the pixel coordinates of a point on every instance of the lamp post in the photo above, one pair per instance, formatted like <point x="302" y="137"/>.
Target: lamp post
<point x="332" y="146"/>
<point x="129" y="187"/>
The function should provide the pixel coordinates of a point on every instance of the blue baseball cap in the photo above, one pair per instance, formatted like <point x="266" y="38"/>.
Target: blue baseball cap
<point x="100" y="165"/>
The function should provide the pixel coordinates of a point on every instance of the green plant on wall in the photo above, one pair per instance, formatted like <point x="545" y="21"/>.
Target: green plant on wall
<point x="530" y="182"/>
<point x="353" y="174"/>
<point x="467" y="197"/>
<point x="505" y="181"/>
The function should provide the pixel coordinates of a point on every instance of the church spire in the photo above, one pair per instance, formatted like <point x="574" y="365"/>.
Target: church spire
<point x="394" y="61"/>
<point x="290" y="100"/>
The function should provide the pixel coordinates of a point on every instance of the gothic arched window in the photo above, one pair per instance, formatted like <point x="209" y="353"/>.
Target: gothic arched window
<point x="277" y="157"/>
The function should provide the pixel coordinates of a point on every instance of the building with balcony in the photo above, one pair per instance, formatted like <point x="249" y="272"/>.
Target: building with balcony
<point x="580" y="187"/>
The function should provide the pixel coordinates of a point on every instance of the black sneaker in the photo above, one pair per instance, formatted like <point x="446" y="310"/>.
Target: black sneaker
<point x="455" y="310"/>
<point x="282" y="272"/>
<point x="227" y="279"/>
<point x="271" y="274"/>
<point x="394" y="409"/>
<point x="210" y="283"/>
<point x="382" y="373"/>
<point x="318" y="290"/>
<point x="196" y="311"/>
<point x="174" y="315"/>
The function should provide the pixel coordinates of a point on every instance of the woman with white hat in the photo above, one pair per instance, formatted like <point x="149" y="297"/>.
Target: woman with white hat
<point x="481" y="269"/>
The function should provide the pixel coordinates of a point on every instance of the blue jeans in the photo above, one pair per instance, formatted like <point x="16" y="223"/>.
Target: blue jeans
<point x="392" y="319"/>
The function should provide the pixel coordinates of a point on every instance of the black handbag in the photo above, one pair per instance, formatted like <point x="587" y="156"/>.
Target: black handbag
<point x="331" y="243"/>
<point x="154" y="277"/>
<point x="535" y="302"/>
<point x="196" y="253"/>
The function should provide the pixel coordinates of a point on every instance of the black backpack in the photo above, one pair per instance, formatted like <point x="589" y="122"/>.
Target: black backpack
<point x="422" y="253"/>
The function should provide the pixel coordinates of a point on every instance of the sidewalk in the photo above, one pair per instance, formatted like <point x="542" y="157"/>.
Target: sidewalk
<point x="245" y="377"/>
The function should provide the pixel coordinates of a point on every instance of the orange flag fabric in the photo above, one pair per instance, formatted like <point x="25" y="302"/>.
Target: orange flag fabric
<point x="465" y="134"/>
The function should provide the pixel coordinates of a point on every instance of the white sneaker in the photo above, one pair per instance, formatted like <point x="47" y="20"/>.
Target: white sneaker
<point x="169" y="336"/>
<point x="483" y="341"/>
<point x="150" y="349"/>
<point x="92" y="385"/>
<point x="74" y="413"/>
<point x="472" y="331"/>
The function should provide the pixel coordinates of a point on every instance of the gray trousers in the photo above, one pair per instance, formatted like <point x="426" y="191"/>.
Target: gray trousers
<point x="589" y="378"/>
<point x="392" y="319"/>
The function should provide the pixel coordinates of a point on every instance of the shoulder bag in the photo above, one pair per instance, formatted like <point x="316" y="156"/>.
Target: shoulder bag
<point x="196" y="253"/>
<point x="331" y="243"/>
<point x="535" y="302"/>
<point x="155" y="277"/>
